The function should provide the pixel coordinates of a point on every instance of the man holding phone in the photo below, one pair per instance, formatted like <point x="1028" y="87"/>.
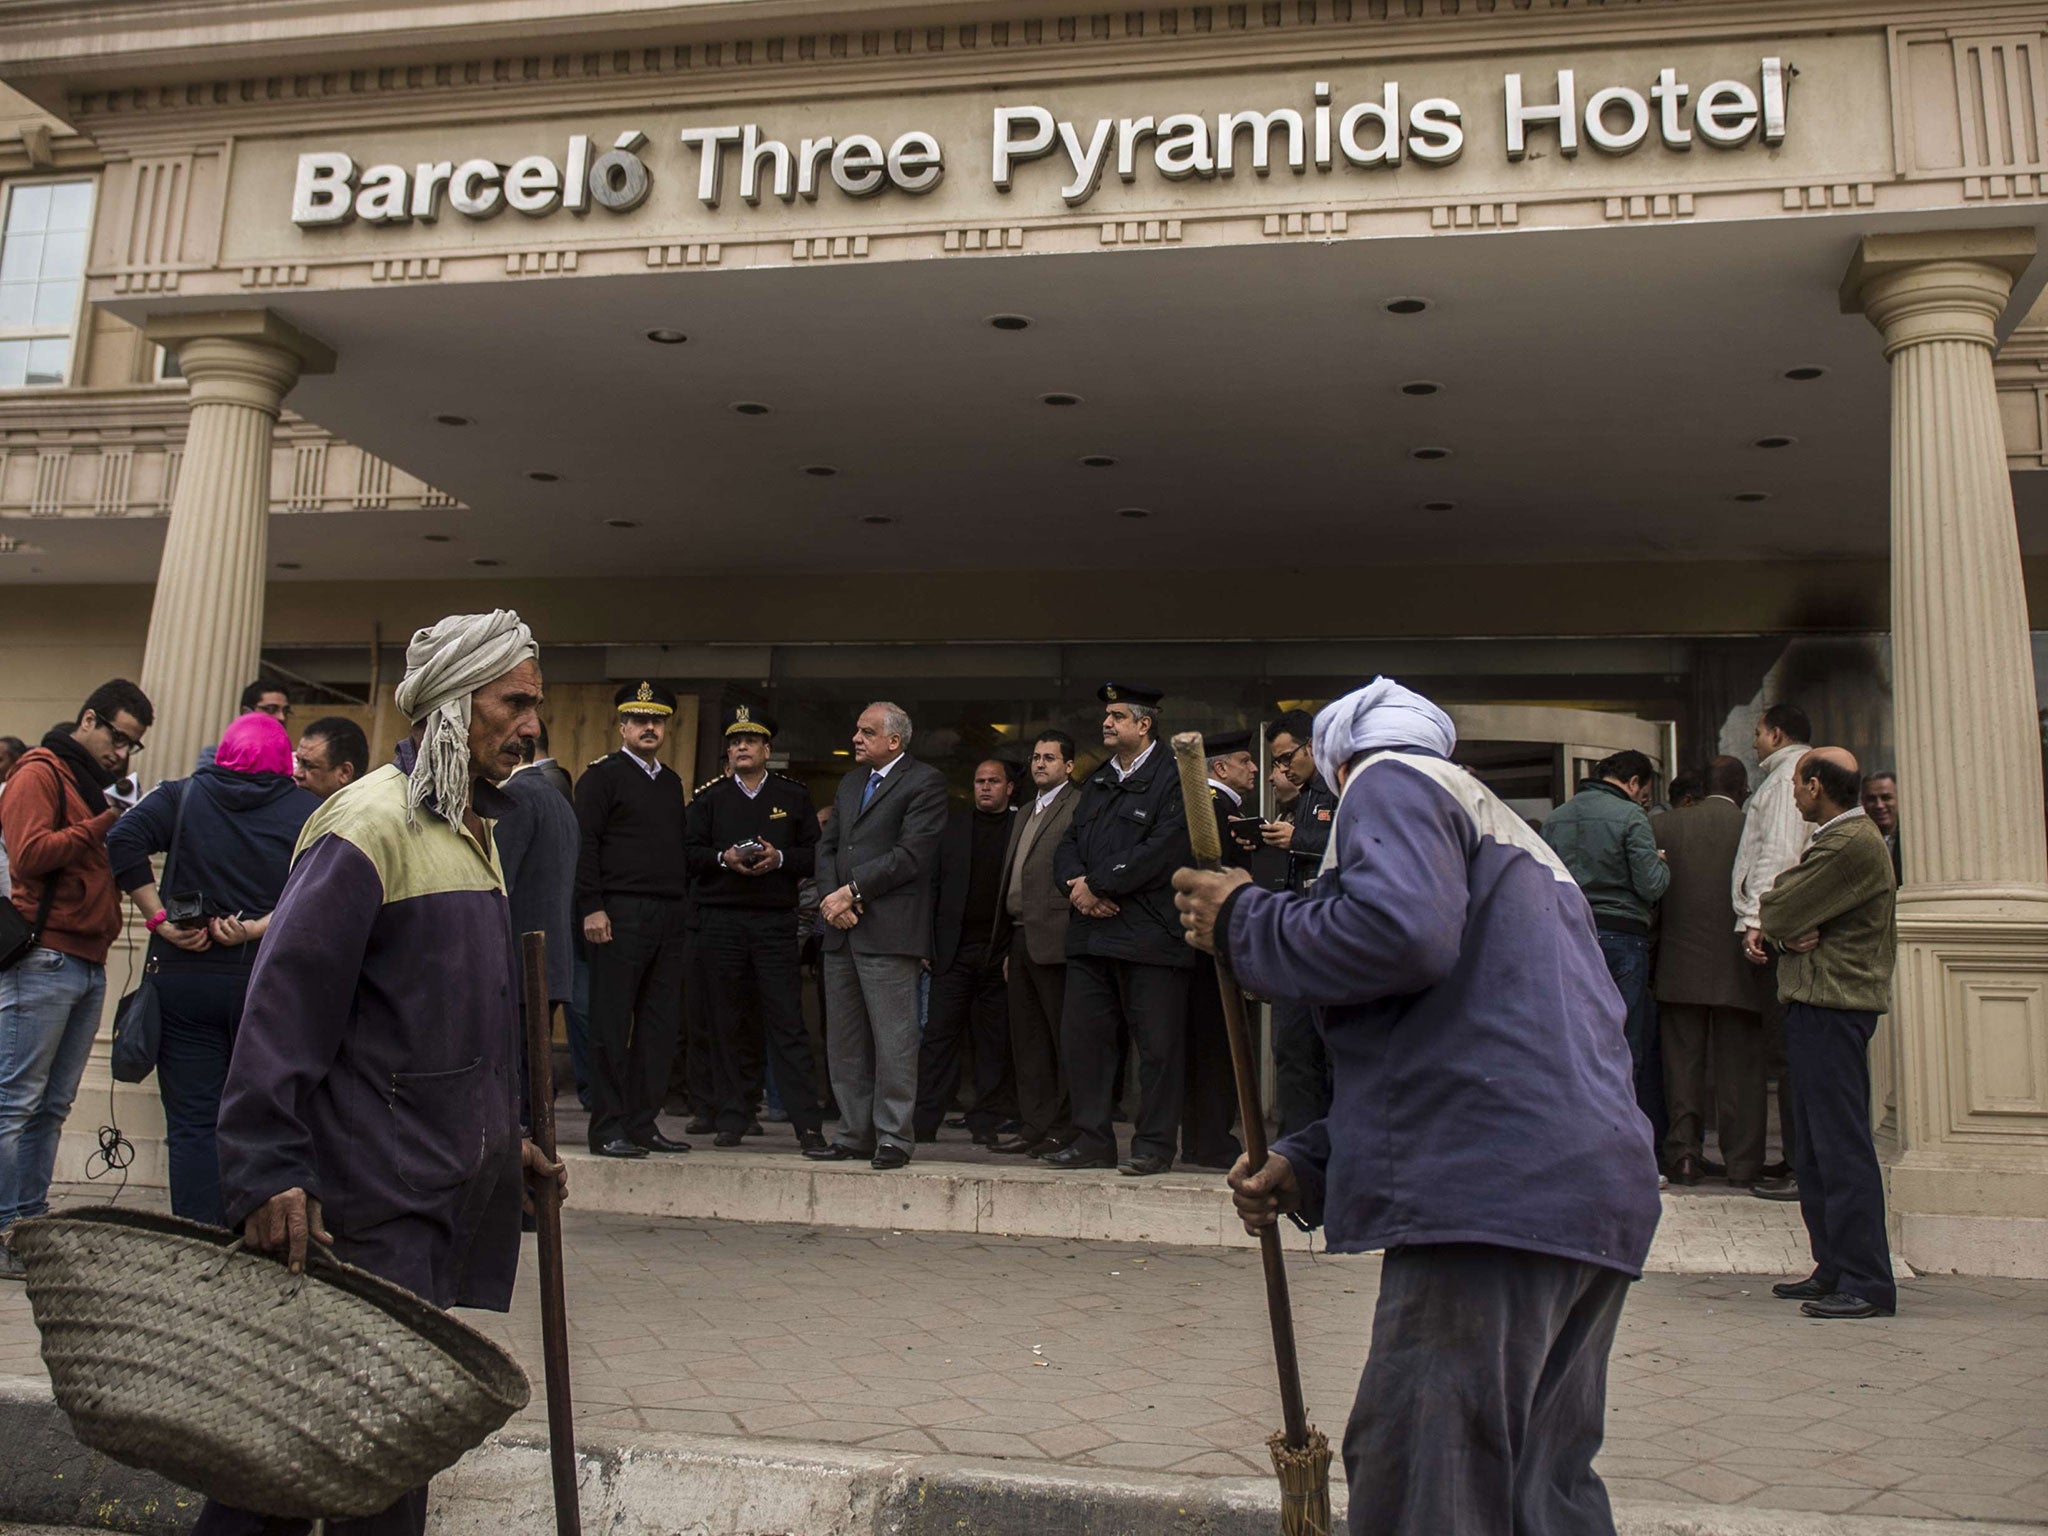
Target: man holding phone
<point x="1301" y="1067"/>
<point x="750" y="840"/>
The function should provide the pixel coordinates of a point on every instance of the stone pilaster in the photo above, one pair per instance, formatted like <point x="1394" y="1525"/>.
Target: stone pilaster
<point x="206" y="625"/>
<point x="1970" y="1184"/>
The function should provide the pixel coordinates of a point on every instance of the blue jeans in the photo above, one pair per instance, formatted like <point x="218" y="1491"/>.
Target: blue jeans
<point x="49" y="1013"/>
<point x="1628" y="962"/>
<point x="202" y="1009"/>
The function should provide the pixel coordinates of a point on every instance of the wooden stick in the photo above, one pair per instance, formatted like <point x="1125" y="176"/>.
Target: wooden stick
<point x="1193" y="763"/>
<point x="547" y="1209"/>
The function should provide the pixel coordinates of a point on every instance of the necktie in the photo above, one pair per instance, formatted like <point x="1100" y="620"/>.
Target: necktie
<point x="874" y="783"/>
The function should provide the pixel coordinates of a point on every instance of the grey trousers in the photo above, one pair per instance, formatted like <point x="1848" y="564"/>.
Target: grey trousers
<point x="871" y="1047"/>
<point x="1733" y="1039"/>
<point x="1484" y="1398"/>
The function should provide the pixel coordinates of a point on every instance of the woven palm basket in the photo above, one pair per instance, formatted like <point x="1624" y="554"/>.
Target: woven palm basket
<point x="324" y="1395"/>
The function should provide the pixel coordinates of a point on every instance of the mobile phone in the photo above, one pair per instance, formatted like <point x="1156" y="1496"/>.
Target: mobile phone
<point x="752" y="849"/>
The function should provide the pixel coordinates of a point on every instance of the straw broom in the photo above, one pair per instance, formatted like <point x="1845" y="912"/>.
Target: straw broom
<point x="1301" y="1453"/>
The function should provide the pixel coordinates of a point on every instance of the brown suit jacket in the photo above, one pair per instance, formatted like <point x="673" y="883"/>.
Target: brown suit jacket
<point x="1046" y="908"/>
<point x="1699" y="953"/>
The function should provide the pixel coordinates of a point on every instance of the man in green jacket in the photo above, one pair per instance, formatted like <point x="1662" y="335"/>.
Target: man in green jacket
<point x="1831" y="917"/>
<point x="1604" y="839"/>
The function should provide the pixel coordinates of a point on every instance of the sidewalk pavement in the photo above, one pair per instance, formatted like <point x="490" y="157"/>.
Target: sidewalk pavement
<point x="1051" y="1356"/>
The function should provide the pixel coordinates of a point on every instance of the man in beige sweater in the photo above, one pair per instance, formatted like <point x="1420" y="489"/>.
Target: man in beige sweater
<point x="1830" y="916"/>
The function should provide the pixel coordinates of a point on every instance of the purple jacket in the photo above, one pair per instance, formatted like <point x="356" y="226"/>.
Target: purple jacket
<point x="377" y="1065"/>
<point x="1483" y="1087"/>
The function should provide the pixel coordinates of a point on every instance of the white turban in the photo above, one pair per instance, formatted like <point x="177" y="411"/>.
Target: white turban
<point x="1381" y="714"/>
<point x="444" y="665"/>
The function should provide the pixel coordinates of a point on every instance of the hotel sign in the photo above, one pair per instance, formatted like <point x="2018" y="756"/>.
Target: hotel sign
<point x="1555" y="115"/>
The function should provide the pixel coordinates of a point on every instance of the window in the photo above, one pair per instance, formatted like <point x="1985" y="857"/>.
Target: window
<point x="42" y="268"/>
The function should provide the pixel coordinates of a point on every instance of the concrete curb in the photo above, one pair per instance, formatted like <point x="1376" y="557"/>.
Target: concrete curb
<point x="705" y="1485"/>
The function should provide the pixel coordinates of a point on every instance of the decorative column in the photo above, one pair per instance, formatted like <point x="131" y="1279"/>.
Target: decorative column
<point x="1969" y="1190"/>
<point x="206" y="625"/>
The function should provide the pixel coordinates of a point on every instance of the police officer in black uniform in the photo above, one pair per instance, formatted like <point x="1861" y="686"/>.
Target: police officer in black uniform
<point x="1126" y="962"/>
<point x="751" y="840"/>
<point x="1211" y="1102"/>
<point x="1301" y="1068"/>
<point x="630" y="885"/>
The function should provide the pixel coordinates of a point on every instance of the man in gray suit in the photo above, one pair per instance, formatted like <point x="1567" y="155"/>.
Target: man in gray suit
<point x="875" y="862"/>
<point x="1031" y="935"/>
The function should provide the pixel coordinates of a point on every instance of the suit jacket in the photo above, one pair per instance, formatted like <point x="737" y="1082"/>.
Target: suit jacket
<point x="955" y="869"/>
<point x="555" y="774"/>
<point x="1046" y="908"/>
<point x="538" y="842"/>
<point x="890" y="851"/>
<point x="1699" y="955"/>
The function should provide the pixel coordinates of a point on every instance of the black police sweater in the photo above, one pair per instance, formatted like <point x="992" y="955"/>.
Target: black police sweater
<point x="722" y="815"/>
<point x="632" y="827"/>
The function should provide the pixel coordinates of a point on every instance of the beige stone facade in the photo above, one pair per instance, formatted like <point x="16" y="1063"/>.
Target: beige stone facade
<point x="448" y="243"/>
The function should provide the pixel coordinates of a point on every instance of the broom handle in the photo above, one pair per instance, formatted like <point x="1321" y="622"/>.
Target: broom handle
<point x="547" y="1209"/>
<point x="1200" y="806"/>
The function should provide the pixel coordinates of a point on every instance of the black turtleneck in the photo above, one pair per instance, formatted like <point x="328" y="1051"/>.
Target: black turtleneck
<point x="86" y="773"/>
<point x="990" y="841"/>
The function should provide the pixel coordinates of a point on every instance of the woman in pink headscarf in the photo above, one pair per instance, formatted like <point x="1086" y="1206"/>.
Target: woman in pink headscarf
<point x="235" y="823"/>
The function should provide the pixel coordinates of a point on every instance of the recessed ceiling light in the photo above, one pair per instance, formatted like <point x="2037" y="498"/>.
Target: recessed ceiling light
<point x="877" y="519"/>
<point x="1752" y="495"/>
<point x="436" y="538"/>
<point x="1097" y="461"/>
<point x="751" y="407"/>
<point x="1133" y="513"/>
<point x="1059" y="399"/>
<point x="1774" y="442"/>
<point x="1429" y="453"/>
<point x="1802" y="375"/>
<point x="1439" y="506"/>
<point x="544" y="476"/>
<point x="454" y="421"/>
<point x="620" y="522"/>
<point x="1407" y="306"/>
<point x="288" y="565"/>
<point x="1421" y="387"/>
<point x="822" y="471"/>
<point x="485" y="560"/>
<point x="668" y="338"/>
<point x="1010" y="322"/>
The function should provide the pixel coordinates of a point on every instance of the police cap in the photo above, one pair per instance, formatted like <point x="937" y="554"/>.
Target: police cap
<point x="645" y="698"/>
<point x="1129" y="693"/>
<point x="1226" y="743"/>
<point x="744" y="721"/>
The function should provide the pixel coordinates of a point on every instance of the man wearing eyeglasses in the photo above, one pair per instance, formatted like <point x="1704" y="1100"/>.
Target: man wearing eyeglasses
<point x="259" y="698"/>
<point x="54" y="819"/>
<point x="1301" y="1070"/>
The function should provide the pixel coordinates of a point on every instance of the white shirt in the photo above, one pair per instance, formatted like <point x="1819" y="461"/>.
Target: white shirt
<point x="1122" y="772"/>
<point x="755" y="792"/>
<point x="1045" y="800"/>
<point x="1774" y="835"/>
<point x="884" y="769"/>
<point x="1835" y="821"/>
<point x="1236" y="800"/>
<point x="652" y="770"/>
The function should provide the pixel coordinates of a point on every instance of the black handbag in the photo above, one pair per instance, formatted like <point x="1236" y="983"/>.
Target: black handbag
<point x="139" y="1021"/>
<point x="18" y="936"/>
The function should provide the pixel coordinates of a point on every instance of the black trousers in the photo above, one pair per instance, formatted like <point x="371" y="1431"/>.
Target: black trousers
<point x="1104" y="996"/>
<point x="747" y="960"/>
<point x="969" y="1004"/>
<point x="1210" y="1102"/>
<point x="1483" y="1400"/>
<point x="636" y="1002"/>
<point x="1301" y="1067"/>
<point x="696" y="1066"/>
<point x="1841" y="1188"/>
<point x="1038" y="995"/>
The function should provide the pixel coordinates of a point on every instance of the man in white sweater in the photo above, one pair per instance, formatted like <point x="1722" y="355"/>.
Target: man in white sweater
<point x="1774" y="837"/>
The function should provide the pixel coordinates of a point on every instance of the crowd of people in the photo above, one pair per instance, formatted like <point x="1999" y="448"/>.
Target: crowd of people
<point x="1709" y="915"/>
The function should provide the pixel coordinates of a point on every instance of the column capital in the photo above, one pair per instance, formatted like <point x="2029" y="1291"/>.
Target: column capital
<point x="1936" y="285"/>
<point x="241" y="356"/>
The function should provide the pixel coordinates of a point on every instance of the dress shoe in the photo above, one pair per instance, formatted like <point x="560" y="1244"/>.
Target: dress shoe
<point x="1808" y="1289"/>
<point x="1712" y="1169"/>
<point x="831" y="1152"/>
<point x="1069" y="1158"/>
<point x="1842" y="1305"/>
<point x="887" y="1159"/>
<point x="1686" y="1170"/>
<point x="1017" y="1144"/>
<point x="1135" y="1167"/>
<point x="810" y="1143"/>
<point x="618" y="1146"/>
<point x="1778" y="1170"/>
<point x="1786" y="1188"/>
<point x="1048" y="1146"/>
<point x="1010" y="1128"/>
<point x="654" y="1141"/>
<point x="986" y="1138"/>
<point x="754" y="1128"/>
<point x="957" y="1123"/>
<point x="726" y="1139"/>
<point x="700" y="1125"/>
